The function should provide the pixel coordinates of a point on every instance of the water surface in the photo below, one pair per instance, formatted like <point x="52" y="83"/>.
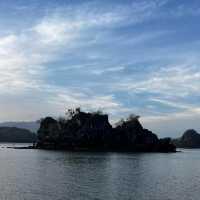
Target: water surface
<point x="56" y="175"/>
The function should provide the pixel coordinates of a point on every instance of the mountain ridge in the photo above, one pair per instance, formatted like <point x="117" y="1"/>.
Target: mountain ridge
<point x="32" y="126"/>
<point x="16" y="135"/>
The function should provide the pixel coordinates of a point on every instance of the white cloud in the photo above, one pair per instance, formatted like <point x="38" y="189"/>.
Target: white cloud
<point x="174" y="104"/>
<point x="105" y="70"/>
<point x="25" y="55"/>
<point x="85" y="101"/>
<point x="179" y="80"/>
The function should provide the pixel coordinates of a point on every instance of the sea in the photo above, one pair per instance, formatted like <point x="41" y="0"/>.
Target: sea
<point x="30" y="174"/>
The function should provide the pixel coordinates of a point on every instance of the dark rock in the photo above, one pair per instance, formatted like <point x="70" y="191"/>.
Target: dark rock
<point x="92" y="131"/>
<point x="49" y="132"/>
<point x="190" y="139"/>
<point x="166" y="145"/>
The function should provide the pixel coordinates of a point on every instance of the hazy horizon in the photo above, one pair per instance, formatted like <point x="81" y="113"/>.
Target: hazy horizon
<point x="163" y="127"/>
<point x="122" y="57"/>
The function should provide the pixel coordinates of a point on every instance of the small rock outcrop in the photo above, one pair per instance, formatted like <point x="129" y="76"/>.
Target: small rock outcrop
<point x="92" y="131"/>
<point x="190" y="139"/>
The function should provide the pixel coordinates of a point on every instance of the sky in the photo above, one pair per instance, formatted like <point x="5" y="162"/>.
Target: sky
<point x="118" y="56"/>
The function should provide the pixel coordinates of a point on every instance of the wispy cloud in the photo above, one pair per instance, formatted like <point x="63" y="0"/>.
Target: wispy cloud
<point x="28" y="52"/>
<point x="180" y="80"/>
<point x="119" y="57"/>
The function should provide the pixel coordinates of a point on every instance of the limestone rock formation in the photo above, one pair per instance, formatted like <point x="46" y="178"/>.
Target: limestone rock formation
<point x="190" y="139"/>
<point x="92" y="131"/>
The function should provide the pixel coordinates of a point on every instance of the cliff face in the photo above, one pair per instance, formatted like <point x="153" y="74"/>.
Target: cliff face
<point x="48" y="132"/>
<point x="131" y="135"/>
<point x="190" y="139"/>
<point x="93" y="131"/>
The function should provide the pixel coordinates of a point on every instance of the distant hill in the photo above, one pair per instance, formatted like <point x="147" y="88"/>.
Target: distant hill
<point x="31" y="126"/>
<point x="190" y="139"/>
<point x="13" y="134"/>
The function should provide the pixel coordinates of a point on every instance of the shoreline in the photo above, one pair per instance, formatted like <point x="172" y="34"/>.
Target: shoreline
<point x="89" y="150"/>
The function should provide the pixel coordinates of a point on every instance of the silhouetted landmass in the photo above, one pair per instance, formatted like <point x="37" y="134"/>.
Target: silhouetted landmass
<point x="92" y="131"/>
<point x="16" y="135"/>
<point x="32" y="126"/>
<point x="190" y="139"/>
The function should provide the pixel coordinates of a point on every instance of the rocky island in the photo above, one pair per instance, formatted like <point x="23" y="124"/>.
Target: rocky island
<point x="189" y="139"/>
<point x="93" y="132"/>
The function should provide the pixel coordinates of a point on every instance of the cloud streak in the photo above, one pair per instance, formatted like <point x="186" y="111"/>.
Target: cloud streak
<point x="119" y="57"/>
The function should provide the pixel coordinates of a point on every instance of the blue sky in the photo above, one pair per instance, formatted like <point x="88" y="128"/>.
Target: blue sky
<point x="120" y="56"/>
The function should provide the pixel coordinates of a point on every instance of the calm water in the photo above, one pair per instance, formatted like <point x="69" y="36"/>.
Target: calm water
<point x="50" y="175"/>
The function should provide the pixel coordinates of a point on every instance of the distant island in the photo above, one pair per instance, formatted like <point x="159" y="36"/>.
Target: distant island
<point x="29" y="125"/>
<point x="92" y="131"/>
<point x="16" y="135"/>
<point x="190" y="139"/>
